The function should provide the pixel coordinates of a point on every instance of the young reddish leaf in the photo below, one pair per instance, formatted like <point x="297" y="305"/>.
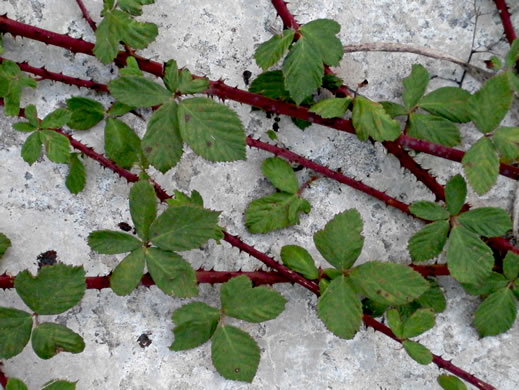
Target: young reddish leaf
<point x="15" y="384"/>
<point x="341" y="240"/>
<point x="49" y="339"/>
<point x="195" y="323"/>
<point x="110" y="242"/>
<point x="59" y="385"/>
<point x="299" y="260"/>
<point x="137" y="91"/>
<point x="371" y="120"/>
<point x="15" y="331"/>
<point x="394" y="109"/>
<point x="85" y="113"/>
<point x="271" y="51"/>
<point x="510" y="265"/>
<point x="122" y="145"/>
<point x="171" y="78"/>
<point x="240" y="300"/>
<point x="429" y="211"/>
<point x="56" y="119"/>
<point x="322" y="35"/>
<point x="486" y="221"/>
<point x="497" y="313"/>
<point x="235" y="354"/>
<point x="395" y="323"/>
<point x="331" y="108"/>
<point x="31" y="149"/>
<point x="481" y="165"/>
<point x="280" y="174"/>
<point x="419" y="322"/>
<point x="340" y="309"/>
<point x="433" y="128"/>
<point x="128" y="273"/>
<point x="506" y="141"/>
<point x="57" y="146"/>
<point x="448" y="102"/>
<point x="451" y="382"/>
<point x="415" y="85"/>
<point x="455" y="194"/>
<point x="54" y="290"/>
<point x="143" y="207"/>
<point x="418" y="352"/>
<point x="76" y="178"/>
<point x="5" y="243"/>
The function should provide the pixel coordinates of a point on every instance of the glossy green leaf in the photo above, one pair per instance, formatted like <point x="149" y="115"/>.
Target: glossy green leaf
<point x="31" y="149"/>
<point x="448" y="102"/>
<point x="322" y="35"/>
<point x="469" y="259"/>
<point x="451" y="382"/>
<point x="489" y="105"/>
<point x="56" y="119"/>
<point x="171" y="77"/>
<point x="299" y="260"/>
<point x="433" y="298"/>
<point x="133" y="7"/>
<point x="122" y="145"/>
<point x="418" y="352"/>
<point x="341" y="240"/>
<point x="172" y="274"/>
<point x="481" y="165"/>
<point x="510" y="265"/>
<point x="59" y="385"/>
<point x="128" y="273"/>
<point x="110" y="242"/>
<point x="455" y="194"/>
<point x="493" y="282"/>
<point x="393" y="109"/>
<point x="235" y="354"/>
<point x="137" y="91"/>
<point x="433" y="128"/>
<point x="275" y="211"/>
<point x="15" y="384"/>
<point x="506" y="141"/>
<point x="85" y="113"/>
<point x="389" y="283"/>
<point x="429" y="211"/>
<point x="195" y="323"/>
<point x="143" y="207"/>
<point x="496" y="314"/>
<point x="271" y="51"/>
<point x="5" y="243"/>
<point x="340" y="309"/>
<point x="15" y="331"/>
<point x="395" y="322"/>
<point x="280" y="174"/>
<point x="428" y="242"/>
<point x="487" y="221"/>
<point x="270" y="84"/>
<point x="371" y="120"/>
<point x="512" y="55"/>
<point x="331" y="108"/>
<point x="240" y="300"/>
<point x="57" y="146"/>
<point x="54" y="290"/>
<point x="211" y="129"/>
<point x="415" y="85"/>
<point x="49" y="339"/>
<point x="76" y="178"/>
<point x="185" y="227"/>
<point x="419" y="322"/>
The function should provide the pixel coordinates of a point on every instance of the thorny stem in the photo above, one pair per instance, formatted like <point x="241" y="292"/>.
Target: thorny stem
<point x="86" y="15"/>
<point x="502" y="8"/>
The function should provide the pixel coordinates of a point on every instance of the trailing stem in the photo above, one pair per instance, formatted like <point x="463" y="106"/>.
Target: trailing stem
<point x="86" y="15"/>
<point x="3" y="377"/>
<point x="506" y="20"/>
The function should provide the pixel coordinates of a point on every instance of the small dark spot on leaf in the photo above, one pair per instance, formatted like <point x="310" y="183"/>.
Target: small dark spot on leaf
<point x="148" y="149"/>
<point x="209" y="144"/>
<point x="187" y="117"/>
<point x="46" y="258"/>
<point x="237" y="370"/>
<point x="143" y="340"/>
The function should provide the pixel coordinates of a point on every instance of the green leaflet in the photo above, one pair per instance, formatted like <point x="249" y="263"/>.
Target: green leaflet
<point x="415" y="85"/>
<point x="428" y="242"/>
<point x="235" y="354"/>
<point x="110" y="242"/>
<point x="341" y="240"/>
<point x="143" y="207"/>
<point x="419" y="322"/>
<point x="195" y="324"/>
<point x="450" y="382"/>
<point x="76" y="178"/>
<point x="185" y="227"/>
<point x="5" y="243"/>
<point x="59" y="385"/>
<point x="506" y="141"/>
<point x="56" y="119"/>
<point x="171" y="77"/>
<point x="322" y="34"/>
<point x="481" y="165"/>
<point x="240" y="300"/>
<point x="433" y="298"/>
<point x="340" y="309"/>
<point x="511" y="265"/>
<point x="15" y="384"/>
<point x="133" y="7"/>
<point x="371" y="120"/>
<point x="433" y="128"/>
<point x="181" y="199"/>
<point x="85" y="113"/>
<point x="497" y="313"/>
<point x="299" y="260"/>
<point x="212" y="130"/>
<point x="491" y="283"/>
<point x="54" y="290"/>
<point x="418" y="352"/>
<point x="15" y="331"/>
<point x="394" y="109"/>
<point x="469" y="259"/>
<point x="122" y="145"/>
<point x="189" y="85"/>
<point x="57" y="146"/>
<point x="128" y="273"/>
<point x="31" y="149"/>
<point x="455" y="194"/>
<point x="512" y="55"/>
<point x="395" y="322"/>
<point x="429" y="211"/>
<point x="270" y="84"/>
<point x="448" y="102"/>
<point x="486" y="221"/>
<point x="49" y="339"/>
<point x="119" y="109"/>
<point x="331" y="108"/>
<point x="12" y="82"/>
<point x="280" y="174"/>
<point x="137" y="91"/>
<point x="275" y="211"/>
<point x="271" y="51"/>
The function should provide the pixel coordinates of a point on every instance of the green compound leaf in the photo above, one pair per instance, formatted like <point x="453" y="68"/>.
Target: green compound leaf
<point x="388" y="283"/>
<point x="450" y="382"/>
<point x="394" y="109"/>
<point x="190" y="85"/>
<point x="54" y="290"/>
<point x="31" y="114"/>
<point x="428" y="242"/>
<point x="5" y="243"/>
<point x="162" y="144"/>
<point x="49" y="339"/>
<point x="56" y="119"/>
<point x="429" y="211"/>
<point x="419" y="322"/>
<point x="235" y="354"/>
<point x="299" y="260"/>
<point x="280" y="174"/>
<point x="195" y="324"/>
<point x="448" y="102"/>
<point x="31" y="149"/>
<point x="143" y="207"/>
<point x="108" y="35"/>
<point x="418" y="352"/>
<point x="496" y="314"/>
<point x="341" y="240"/>
<point x="59" y="385"/>
<point x="488" y="285"/>
<point x="395" y="322"/>
<point x="433" y="298"/>
<point x="172" y="274"/>
<point x="489" y="105"/>
<point x="340" y="309"/>
<point x="85" y="113"/>
<point x="131" y="68"/>
<point x="506" y="141"/>
<point x="511" y="265"/>
<point x="76" y="178"/>
<point x="181" y="199"/>
<point x="331" y="108"/>
<point x="15" y="331"/>
<point x="128" y="273"/>
<point x="415" y="85"/>
<point x="321" y="34"/>
<point x="15" y="384"/>
<point x="57" y="146"/>
<point x="512" y="55"/>
<point x="271" y="51"/>
<point x="133" y="7"/>
<point x="171" y="77"/>
<point x="185" y="227"/>
<point x="211" y="129"/>
<point x="371" y="120"/>
<point x="275" y="211"/>
<point x="137" y="91"/>
<point x="12" y="82"/>
<point x="481" y="165"/>
<point x="455" y="194"/>
<point x="270" y="84"/>
<point x="469" y="259"/>
<point x="240" y="300"/>
<point x="434" y="128"/>
<point x="109" y="242"/>
<point x="486" y="221"/>
<point x="122" y="145"/>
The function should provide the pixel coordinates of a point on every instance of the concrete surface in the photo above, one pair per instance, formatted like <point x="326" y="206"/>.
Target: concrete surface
<point x="218" y="39"/>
